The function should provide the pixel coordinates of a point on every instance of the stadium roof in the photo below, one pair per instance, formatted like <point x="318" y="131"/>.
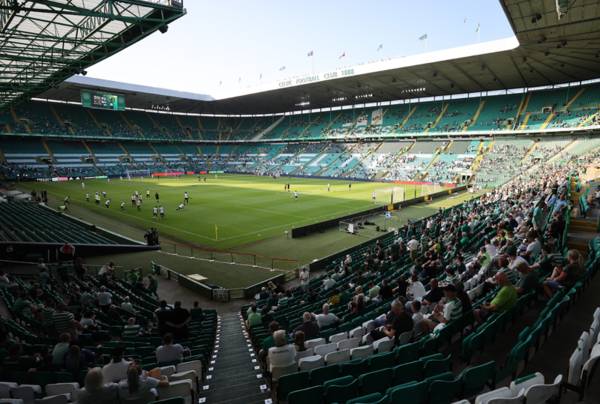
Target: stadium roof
<point x="549" y="47"/>
<point x="43" y="42"/>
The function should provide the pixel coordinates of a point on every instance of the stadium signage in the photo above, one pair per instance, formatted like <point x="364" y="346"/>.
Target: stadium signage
<point x="101" y="100"/>
<point x="169" y="174"/>
<point x="311" y="78"/>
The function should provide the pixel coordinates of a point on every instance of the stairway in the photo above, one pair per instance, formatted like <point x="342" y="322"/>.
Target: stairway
<point x="439" y="117"/>
<point x="60" y="120"/>
<point x="184" y="130"/>
<point x="104" y="129"/>
<point x="407" y="117"/>
<point x="91" y="153"/>
<point x="475" y="116"/>
<point x="134" y="128"/>
<point x="268" y="129"/>
<point x="522" y="108"/>
<point x="234" y="375"/>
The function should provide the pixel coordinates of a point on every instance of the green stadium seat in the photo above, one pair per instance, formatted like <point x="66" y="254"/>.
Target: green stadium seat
<point x="311" y="395"/>
<point x="440" y="376"/>
<point x="375" y="381"/>
<point x="354" y="367"/>
<point x="436" y="366"/>
<point x="412" y="392"/>
<point x="444" y="391"/>
<point x="382" y="360"/>
<point x="408" y="372"/>
<point x="291" y="382"/>
<point x="324" y="373"/>
<point x="475" y="378"/>
<point x="373" y="398"/>
<point x="407" y="353"/>
<point x="341" y="389"/>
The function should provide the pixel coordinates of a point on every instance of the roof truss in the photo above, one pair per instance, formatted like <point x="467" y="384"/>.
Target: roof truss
<point x="44" y="42"/>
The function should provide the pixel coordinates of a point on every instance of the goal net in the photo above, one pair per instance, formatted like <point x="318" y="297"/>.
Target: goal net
<point x="395" y="194"/>
<point x="390" y="195"/>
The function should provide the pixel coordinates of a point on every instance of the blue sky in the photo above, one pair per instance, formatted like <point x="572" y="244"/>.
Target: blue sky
<point x="220" y="42"/>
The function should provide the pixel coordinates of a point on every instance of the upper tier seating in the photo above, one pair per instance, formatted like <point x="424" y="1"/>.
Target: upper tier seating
<point x="571" y="107"/>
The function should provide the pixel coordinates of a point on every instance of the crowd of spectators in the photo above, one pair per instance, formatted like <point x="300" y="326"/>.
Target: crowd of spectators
<point x="522" y="225"/>
<point x="76" y="319"/>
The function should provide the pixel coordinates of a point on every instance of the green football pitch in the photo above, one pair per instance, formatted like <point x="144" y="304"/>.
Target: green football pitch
<point x="227" y="211"/>
<point x="245" y="215"/>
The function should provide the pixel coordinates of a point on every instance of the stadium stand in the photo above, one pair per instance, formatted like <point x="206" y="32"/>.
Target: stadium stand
<point x="466" y="246"/>
<point x="342" y="361"/>
<point x="460" y="306"/>
<point x="70" y="325"/>
<point x="28" y="222"/>
<point x="572" y="107"/>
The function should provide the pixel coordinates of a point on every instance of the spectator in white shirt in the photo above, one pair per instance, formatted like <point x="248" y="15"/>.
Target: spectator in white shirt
<point x="88" y="320"/>
<point x="127" y="306"/>
<point x="104" y="298"/>
<point x="116" y="369"/>
<point x="282" y="354"/>
<point x="95" y="390"/>
<point x="328" y="283"/>
<point x="326" y="318"/>
<point x="107" y="269"/>
<point x="303" y="275"/>
<point x="415" y="290"/>
<point x="412" y="246"/>
<point x="514" y="259"/>
<point x="491" y="248"/>
<point x="168" y="351"/>
<point x="534" y="246"/>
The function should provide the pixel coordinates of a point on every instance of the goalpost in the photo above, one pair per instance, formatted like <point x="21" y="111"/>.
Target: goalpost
<point x="395" y="194"/>
<point x="391" y="195"/>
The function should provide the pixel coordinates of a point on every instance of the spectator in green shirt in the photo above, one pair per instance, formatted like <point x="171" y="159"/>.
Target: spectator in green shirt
<point x="254" y="318"/>
<point x="267" y="343"/>
<point x="505" y="299"/>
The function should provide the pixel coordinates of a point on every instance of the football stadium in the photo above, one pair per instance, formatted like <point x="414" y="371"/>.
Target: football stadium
<point x="418" y="224"/>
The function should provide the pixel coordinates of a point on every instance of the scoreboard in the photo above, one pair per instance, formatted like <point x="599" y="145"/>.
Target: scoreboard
<point x="100" y="100"/>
